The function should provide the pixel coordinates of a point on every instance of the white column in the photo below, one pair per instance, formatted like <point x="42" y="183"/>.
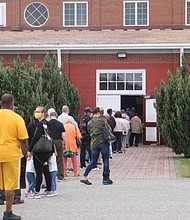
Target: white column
<point x="181" y="55"/>
<point x="59" y="58"/>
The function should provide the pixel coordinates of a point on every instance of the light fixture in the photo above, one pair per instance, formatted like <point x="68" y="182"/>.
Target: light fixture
<point x="121" y="55"/>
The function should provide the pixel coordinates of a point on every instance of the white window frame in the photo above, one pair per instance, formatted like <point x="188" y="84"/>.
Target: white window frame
<point x="75" y="25"/>
<point x="31" y="24"/>
<point x="136" y="2"/>
<point x="121" y="92"/>
<point x="3" y="12"/>
<point x="186" y="12"/>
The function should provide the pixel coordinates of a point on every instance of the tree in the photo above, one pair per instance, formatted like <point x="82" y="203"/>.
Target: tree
<point x="33" y="86"/>
<point x="173" y="107"/>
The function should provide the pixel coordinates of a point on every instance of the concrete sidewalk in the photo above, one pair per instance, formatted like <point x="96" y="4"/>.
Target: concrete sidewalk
<point x="145" y="187"/>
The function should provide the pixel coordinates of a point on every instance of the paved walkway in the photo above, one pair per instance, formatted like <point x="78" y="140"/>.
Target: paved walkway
<point x="145" y="187"/>
<point x="144" y="162"/>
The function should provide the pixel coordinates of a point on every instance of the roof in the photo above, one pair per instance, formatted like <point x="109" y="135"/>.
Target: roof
<point x="148" y="39"/>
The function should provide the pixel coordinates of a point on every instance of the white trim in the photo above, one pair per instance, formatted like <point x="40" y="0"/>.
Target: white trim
<point x="3" y="14"/>
<point x="136" y="2"/>
<point x="93" y="47"/>
<point x="59" y="57"/>
<point x="31" y="24"/>
<point x="121" y="92"/>
<point x="75" y="8"/>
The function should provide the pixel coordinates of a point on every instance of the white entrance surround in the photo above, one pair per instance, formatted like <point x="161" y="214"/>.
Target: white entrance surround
<point x="112" y="83"/>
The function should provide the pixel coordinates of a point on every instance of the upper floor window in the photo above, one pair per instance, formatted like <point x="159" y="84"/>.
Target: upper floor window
<point x="36" y="14"/>
<point x="188" y="12"/>
<point x="136" y="13"/>
<point x="121" y="81"/>
<point x="2" y="14"/>
<point x="75" y="14"/>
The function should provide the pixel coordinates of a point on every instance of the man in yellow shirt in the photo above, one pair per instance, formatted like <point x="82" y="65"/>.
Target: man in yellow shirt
<point x="13" y="144"/>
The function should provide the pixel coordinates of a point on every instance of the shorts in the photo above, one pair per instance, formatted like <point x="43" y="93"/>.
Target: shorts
<point x="10" y="175"/>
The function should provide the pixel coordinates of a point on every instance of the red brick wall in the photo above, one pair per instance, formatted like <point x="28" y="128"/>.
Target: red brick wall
<point x="102" y="13"/>
<point x="81" y="69"/>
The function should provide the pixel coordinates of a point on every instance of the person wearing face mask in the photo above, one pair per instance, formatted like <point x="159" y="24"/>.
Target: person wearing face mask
<point x="35" y="131"/>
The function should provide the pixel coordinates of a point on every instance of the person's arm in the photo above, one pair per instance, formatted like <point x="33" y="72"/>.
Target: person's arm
<point x="24" y="146"/>
<point x="64" y="140"/>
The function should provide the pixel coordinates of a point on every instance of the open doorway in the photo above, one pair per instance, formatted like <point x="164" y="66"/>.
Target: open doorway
<point x="133" y="101"/>
<point x="136" y="102"/>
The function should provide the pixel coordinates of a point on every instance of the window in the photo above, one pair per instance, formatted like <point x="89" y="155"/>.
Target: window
<point x="2" y="14"/>
<point x="136" y="13"/>
<point x="121" y="81"/>
<point x="188" y="12"/>
<point x="36" y="14"/>
<point x="75" y="14"/>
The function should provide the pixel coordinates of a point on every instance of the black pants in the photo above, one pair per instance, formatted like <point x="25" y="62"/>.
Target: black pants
<point x="39" y="160"/>
<point x="131" y="139"/>
<point x="84" y="147"/>
<point x="59" y="157"/>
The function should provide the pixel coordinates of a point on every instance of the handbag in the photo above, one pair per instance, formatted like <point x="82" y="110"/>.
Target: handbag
<point x="44" y="144"/>
<point x="108" y="135"/>
<point x="78" y="141"/>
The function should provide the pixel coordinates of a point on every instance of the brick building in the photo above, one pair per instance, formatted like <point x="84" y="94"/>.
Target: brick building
<point x="114" y="51"/>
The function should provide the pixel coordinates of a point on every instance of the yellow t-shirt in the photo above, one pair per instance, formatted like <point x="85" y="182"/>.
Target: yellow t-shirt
<point x="12" y="129"/>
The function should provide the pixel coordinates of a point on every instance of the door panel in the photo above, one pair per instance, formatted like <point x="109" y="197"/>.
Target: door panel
<point x="150" y="131"/>
<point x="109" y="101"/>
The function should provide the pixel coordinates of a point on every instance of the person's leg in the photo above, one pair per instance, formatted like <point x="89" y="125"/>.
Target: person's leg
<point x="136" y="140"/>
<point x="59" y="158"/>
<point x="53" y="181"/>
<point x="119" y="140"/>
<point x="65" y="165"/>
<point x="104" y="147"/>
<point x="75" y="166"/>
<point x="82" y="155"/>
<point x="31" y="181"/>
<point x="114" y="146"/>
<point x="94" y="157"/>
<point x="89" y="151"/>
<point x="11" y="177"/>
<point x="131" y="139"/>
<point x="47" y="176"/>
<point x="38" y="165"/>
<point x="9" y="197"/>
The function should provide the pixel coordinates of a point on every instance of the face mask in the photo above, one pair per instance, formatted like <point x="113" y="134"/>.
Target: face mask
<point x="37" y="115"/>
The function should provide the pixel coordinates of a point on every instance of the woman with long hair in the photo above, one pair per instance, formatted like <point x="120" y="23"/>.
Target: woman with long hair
<point x="40" y="159"/>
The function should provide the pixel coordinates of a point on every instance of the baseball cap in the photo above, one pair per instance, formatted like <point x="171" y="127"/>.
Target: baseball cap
<point x="88" y="110"/>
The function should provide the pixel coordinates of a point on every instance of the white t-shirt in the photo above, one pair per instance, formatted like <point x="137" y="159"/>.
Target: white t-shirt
<point x="30" y="166"/>
<point x="52" y="163"/>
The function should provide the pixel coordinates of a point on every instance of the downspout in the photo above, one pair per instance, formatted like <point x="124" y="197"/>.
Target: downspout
<point x="59" y="58"/>
<point x="181" y="55"/>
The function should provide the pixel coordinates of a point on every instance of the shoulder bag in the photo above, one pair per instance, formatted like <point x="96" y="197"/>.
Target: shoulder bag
<point x="108" y="135"/>
<point x="44" y="144"/>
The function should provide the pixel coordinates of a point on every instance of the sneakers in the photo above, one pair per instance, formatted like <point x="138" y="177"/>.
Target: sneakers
<point x="28" y="194"/>
<point x="18" y="201"/>
<point x="48" y="194"/>
<point x="35" y="195"/>
<point x="1" y="202"/>
<point x="96" y="168"/>
<point x="107" y="182"/>
<point x="86" y="182"/>
<point x="54" y="193"/>
<point x="10" y="216"/>
<point x="69" y="170"/>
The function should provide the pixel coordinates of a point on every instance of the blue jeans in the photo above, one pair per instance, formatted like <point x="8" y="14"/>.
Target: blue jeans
<point x="104" y="149"/>
<point x="127" y="139"/>
<point x="53" y="181"/>
<point x="31" y="181"/>
<point x="118" y="143"/>
<point x="16" y="196"/>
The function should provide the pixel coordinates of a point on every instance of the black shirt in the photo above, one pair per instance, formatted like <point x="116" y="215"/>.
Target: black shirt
<point x="56" y="129"/>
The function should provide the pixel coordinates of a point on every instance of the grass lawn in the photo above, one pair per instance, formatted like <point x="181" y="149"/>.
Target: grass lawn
<point x="183" y="167"/>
